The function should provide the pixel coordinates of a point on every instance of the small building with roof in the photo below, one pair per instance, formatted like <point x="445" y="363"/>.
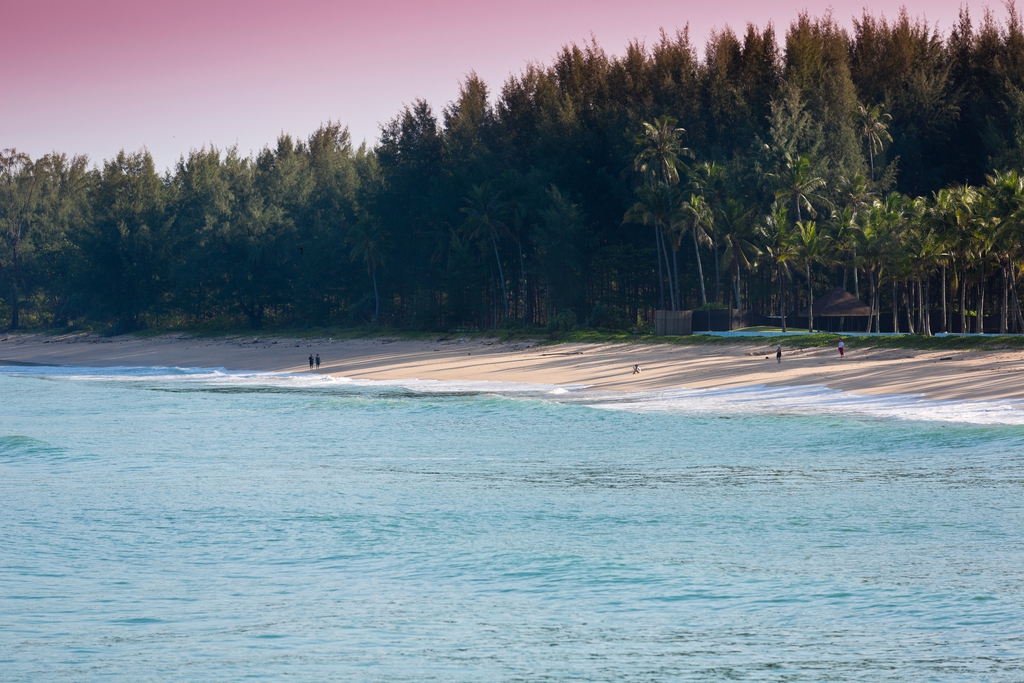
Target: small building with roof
<point x="839" y="304"/>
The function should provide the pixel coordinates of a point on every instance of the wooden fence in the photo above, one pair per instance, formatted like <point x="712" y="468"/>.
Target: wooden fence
<point x="673" y="323"/>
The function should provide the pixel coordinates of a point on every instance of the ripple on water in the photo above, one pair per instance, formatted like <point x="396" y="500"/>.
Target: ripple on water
<point x="177" y="524"/>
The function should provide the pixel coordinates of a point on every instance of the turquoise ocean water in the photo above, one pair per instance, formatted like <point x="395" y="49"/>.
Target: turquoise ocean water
<point x="167" y="524"/>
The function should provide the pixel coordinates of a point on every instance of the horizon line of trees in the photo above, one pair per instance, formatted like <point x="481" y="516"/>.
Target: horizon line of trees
<point x="593" y="190"/>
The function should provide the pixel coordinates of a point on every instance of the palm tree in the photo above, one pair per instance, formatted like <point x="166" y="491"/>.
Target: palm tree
<point x="855" y="197"/>
<point x="810" y="246"/>
<point x="871" y="241"/>
<point x="922" y="254"/>
<point x="873" y="128"/>
<point x="708" y="181"/>
<point x="955" y="209"/>
<point x="1006" y="194"/>
<point x="702" y="220"/>
<point x="660" y="150"/>
<point x="798" y="183"/>
<point x="777" y="246"/>
<point x="854" y="192"/>
<point x="484" y="219"/>
<point x="985" y="251"/>
<point x="655" y="206"/>
<point x="658" y="161"/>
<point x="367" y="240"/>
<point x="739" y="252"/>
<point x="893" y="252"/>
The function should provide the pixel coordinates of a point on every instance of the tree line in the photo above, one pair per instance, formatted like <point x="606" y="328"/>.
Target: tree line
<point x="754" y="174"/>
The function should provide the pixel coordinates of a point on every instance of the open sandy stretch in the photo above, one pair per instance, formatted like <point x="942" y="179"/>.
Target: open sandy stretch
<point x="967" y="375"/>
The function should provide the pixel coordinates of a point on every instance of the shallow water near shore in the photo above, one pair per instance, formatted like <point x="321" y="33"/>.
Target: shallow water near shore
<point x="184" y="524"/>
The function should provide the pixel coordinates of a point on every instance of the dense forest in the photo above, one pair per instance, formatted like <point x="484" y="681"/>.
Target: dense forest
<point x="752" y="174"/>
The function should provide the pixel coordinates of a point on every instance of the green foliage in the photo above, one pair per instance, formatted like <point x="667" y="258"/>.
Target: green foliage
<point x="607" y="318"/>
<point x="543" y="194"/>
<point x="562" y="322"/>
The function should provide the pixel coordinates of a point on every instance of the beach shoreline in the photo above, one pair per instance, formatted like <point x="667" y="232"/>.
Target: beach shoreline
<point x="973" y="375"/>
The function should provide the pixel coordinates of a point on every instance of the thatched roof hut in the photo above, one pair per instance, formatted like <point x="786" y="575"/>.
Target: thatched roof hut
<point x="838" y="304"/>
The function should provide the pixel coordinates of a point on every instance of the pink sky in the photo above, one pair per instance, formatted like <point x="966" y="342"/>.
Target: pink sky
<point x="95" y="76"/>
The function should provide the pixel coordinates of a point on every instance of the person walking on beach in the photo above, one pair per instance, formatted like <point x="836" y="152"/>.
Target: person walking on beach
<point x="310" y="361"/>
<point x="318" y="361"/>
<point x="840" y="349"/>
<point x="636" y="369"/>
<point x="778" y="353"/>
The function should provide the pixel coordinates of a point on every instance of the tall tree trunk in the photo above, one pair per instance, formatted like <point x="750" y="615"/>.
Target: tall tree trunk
<point x="921" y="307"/>
<point x="871" y="301"/>
<point x="700" y="268"/>
<point x="878" y="302"/>
<point x="856" y="278"/>
<point x="945" y="318"/>
<point x="927" y="307"/>
<point x="675" y="279"/>
<point x="907" y="303"/>
<point x="661" y="276"/>
<point x="1004" y="313"/>
<point x="1016" y="304"/>
<point x="501" y="273"/>
<point x="842" y="319"/>
<point x="980" y="324"/>
<point x="895" y="309"/>
<point x="963" y="299"/>
<point x="668" y="267"/>
<point x="376" y="297"/>
<point x="782" y="295"/>
<point x="522" y="274"/>
<point x="718" y="278"/>
<point x="810" y="300"/>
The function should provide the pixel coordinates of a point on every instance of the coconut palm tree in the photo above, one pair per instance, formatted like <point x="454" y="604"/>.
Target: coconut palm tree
<point x="855" y="198"/>
<point x="367" y="239"/>
<point x="708" y="180"/>
<point x="659" y="161"/>
<point x="735" y="221"/>
<point x="894" y="253"/>
<point x="775" y="243"/>
<point x="871" y="243"/>
<point x="661" y="150"/>
<point x="1005" y="191"/>
<point x="985" y="249"/>
<point x="873" y="127"/>
<point x="956" y="211"/>
<point x="810" y="245"/>
<point x="797" y="183"/>
<point x="655" y="206"/>
<point x="701" y="219"/>
<point x="485" y="213"/>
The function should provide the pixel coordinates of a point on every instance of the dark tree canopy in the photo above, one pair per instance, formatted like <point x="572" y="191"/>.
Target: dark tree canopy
<point x="894" y="145"/>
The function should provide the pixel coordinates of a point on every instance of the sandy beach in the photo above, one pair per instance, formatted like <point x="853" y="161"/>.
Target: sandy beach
<point x="957" y="375"/>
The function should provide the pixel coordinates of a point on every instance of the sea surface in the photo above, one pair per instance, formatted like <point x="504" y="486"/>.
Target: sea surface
<point x="162" y="524"/>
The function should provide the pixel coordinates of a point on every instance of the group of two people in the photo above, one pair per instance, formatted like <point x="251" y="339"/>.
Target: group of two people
<point x="316" y="361"/>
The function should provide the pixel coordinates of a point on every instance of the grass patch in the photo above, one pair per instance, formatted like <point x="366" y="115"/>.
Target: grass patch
<point x="584" y="336"/>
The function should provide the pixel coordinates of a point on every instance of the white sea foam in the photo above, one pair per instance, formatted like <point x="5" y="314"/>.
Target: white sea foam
<point x="811" y="400"/>
<point x="223" y="377"/>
